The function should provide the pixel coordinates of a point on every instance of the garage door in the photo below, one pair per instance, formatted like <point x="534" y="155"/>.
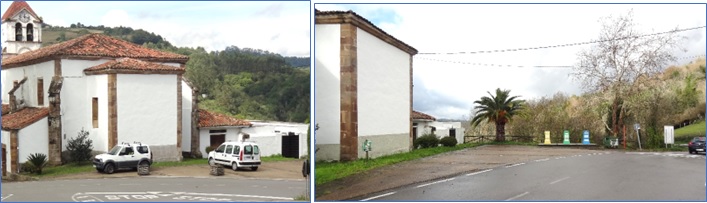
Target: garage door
<point x="290" y="145"/>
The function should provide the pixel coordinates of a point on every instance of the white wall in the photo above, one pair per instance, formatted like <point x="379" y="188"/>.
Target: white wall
<point x="327" y="103"/>
<point x="97" y="86"/>
<point x="186" y="117"/>
<point x="76" y="110"/>
<point x="33" y="139"/>
<point x="268" y="135"/>
<point x="6" y="140"/>
<point x="28" y="91"/>
<point x="383" y="87"/>
<point x="147" y="109"/>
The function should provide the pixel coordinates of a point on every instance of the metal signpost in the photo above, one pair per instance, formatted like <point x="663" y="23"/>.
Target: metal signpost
<point x="367" y="147"/>
<point x="638" y="127"/>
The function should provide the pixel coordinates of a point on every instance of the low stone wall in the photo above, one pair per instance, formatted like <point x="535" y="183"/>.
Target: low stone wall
<point x="166" y="153"/>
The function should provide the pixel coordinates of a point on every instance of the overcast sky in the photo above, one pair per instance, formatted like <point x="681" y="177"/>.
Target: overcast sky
<point x="280" y="27"/>
<point x="448" y="90"/>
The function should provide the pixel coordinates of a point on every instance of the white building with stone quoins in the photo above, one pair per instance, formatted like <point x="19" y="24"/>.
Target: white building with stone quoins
<point x="363" y="89"/>
<point x="113" y="89"/>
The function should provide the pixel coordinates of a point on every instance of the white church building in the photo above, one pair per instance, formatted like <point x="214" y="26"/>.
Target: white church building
<point x="363" y="88"/>
<point x="113" y="89"/>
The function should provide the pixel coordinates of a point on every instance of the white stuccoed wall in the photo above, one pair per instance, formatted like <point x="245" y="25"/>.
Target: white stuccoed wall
<point x="28" y="91"/>
<point x="383" y="87"/>
<point x="76" y="102"/>
<point x="6" y="140"/>
<point x="327" y="86"/>
<point x="270" y="142"/>
<point x="97" y="86"/>
<point x="147" y="109"/>
<point x="32" y="139"/>
<point x="186" y="117"/>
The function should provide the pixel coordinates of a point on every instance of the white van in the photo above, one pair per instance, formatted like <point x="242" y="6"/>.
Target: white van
<point x="236" y="155"/>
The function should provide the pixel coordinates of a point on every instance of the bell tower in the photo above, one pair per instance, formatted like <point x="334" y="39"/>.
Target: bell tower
<point x="21" y="29"/>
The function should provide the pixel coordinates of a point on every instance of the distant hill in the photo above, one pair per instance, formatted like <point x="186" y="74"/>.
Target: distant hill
<point x="242" y="82"/>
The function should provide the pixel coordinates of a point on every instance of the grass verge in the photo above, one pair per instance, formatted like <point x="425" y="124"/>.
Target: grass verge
<point x="330" y="171"/>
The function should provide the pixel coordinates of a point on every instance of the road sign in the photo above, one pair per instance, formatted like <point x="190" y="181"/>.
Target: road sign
<point x="366" y="145"/>
<point x="668" y="134"/>
<point x="547" y="137"/>
<point x="637" y="126"/>
<point x="566" y="139"/>
<point x="585" y="137"/>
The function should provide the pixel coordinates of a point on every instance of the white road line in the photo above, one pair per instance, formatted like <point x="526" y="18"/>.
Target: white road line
<point x="514" y="165"/>
<point x="235" y="195"/>
<point x="478" y="172"/>
<point x="115" y="193"/>
<point x="379" y="196"/>
<point x="517" y="196"/>
<point x="561" y="179"/>
<point x="5" y="197"/>
<point x="439" y="181"/>
<point x="545" y="159"/>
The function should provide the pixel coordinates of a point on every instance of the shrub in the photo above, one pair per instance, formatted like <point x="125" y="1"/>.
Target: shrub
<point x="448" y="141"/>
<point x="27" y="167"/>
<point x="209" y="149"/>
<point x="80" y="147"/>
<point x="426" y="141"/>
<point x="38" y="161"/>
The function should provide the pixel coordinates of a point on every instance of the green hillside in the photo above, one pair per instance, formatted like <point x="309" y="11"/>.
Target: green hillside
<point x="696" y="129"/>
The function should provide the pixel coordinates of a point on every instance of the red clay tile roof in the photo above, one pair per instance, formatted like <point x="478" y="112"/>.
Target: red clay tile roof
<point x="17" y="6"/>
<point x="93" y="46"/>
<point x="132" y="66"/>
<point x="328" y="17"/>
<point x="23" y="118"/>
<point x="421" y="116"/>
<point x="211" y="119"/>
<point x="5" y="109"/>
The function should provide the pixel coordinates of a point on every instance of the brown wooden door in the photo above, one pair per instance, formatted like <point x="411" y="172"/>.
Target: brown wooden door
<point x="217" y="140"/>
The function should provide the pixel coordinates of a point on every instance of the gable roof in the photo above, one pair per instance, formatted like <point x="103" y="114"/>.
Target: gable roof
<point x="212" y="119"/>
<point x="416" y="115"/>
<point x="93" y="46"/>
<point x="132" y="66"/>
<point x="341" y="17"/>
<point x="16" y="7"/>
<point x="23" y="118"/>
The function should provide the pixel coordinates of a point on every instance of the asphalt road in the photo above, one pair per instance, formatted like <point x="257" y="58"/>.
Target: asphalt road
<point x="154" y="189"/>
<point x="600" y="176"/>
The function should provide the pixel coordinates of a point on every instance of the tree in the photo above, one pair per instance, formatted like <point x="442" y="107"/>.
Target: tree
<point x="80" y="147"/>
<point x="620" y="61"/>
<point x="498" y="109"/>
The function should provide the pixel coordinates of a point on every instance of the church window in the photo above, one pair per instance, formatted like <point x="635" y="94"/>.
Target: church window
<point x="18" y="32"/>
<point x="30" y="31"/>
<point x="40" y="91"/>
<point x="95" y="112"/>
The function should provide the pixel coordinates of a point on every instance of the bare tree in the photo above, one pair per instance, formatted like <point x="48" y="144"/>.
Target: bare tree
<point x="621" y="60"/>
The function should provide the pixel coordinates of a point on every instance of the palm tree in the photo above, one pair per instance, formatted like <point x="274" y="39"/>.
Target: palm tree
<point x="498" y="109"/>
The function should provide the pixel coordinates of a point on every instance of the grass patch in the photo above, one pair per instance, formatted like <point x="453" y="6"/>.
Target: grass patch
<point x="694" y="130"/>
<point x="276" y="157"/>
<point x="330" y="171"/>
<point x="66" y="169"/>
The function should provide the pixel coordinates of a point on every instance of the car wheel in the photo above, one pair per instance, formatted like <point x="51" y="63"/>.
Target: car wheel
<point x="109" y="168"/>
<point x="690" y="150"/>
<point x="254" y="168"/>
<point x="211" y="162"/>
<point x="234" y="166"/>
<point x="99" y="170"/>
